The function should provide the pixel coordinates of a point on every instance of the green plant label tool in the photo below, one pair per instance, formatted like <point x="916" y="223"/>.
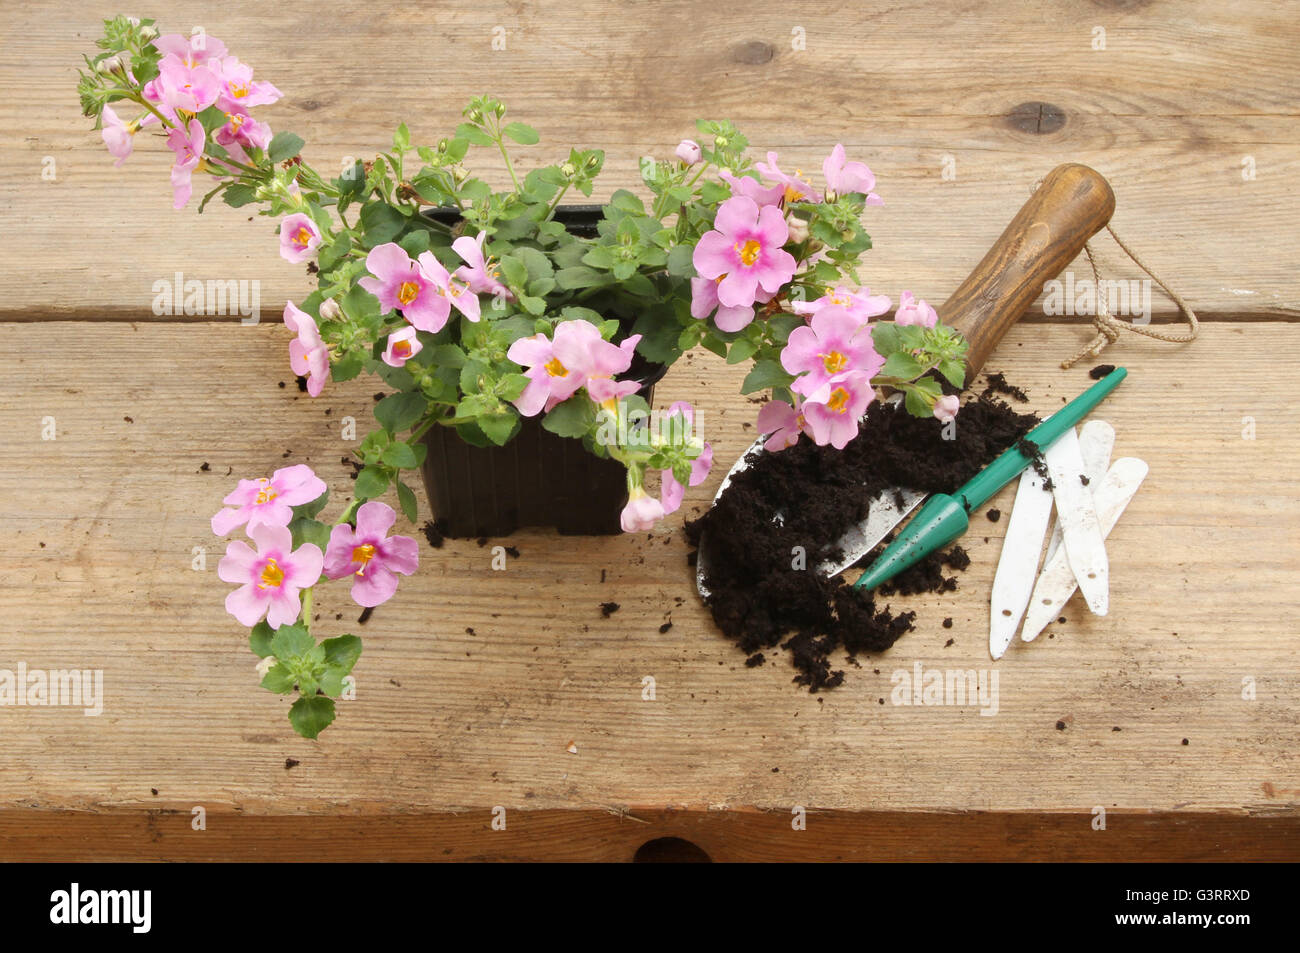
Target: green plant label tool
<point x="943" y="517"/>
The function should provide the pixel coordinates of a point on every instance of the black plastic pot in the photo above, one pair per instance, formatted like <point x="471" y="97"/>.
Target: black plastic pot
<point x="538" y="478"/>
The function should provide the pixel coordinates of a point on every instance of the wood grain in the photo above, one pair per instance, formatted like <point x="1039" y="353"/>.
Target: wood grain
<point x="1168" y="113"/>
<point x="101" y="523"/>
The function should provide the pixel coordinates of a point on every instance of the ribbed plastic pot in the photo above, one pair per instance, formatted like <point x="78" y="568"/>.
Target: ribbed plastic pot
<point x="538" y="478"/>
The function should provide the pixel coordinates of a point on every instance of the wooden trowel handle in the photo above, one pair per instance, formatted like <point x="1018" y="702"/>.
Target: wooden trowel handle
<point x="1071" y="206"/>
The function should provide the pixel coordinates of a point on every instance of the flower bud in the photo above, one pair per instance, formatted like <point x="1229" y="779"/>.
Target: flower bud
<point x="134" y="21"/>
<point x="689" y="151"/>
<point x="720" y="141"/>
<point x="798" y="230"/>
<point x="111" y="66"/>
<point x="330" y="310"/>
<point x="568" y="170"/>
<point x="149" y="33"/>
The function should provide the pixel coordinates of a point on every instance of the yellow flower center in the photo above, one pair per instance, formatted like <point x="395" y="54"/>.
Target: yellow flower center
<point x="239" y="90"/>
<point x="834" y="362"/>
<point x="406" y="294"/>
<point x="839" y="401"/>
<point x="363" y="554"/>
<point x="272" y="575"/>
<point x="304" y="236"/>
<point x="840" y="300"/>
<point x="749" y="251"/>
<point x="555" y="368"/>
<point x="265" y="494"/>
<point x="402" y="348"/>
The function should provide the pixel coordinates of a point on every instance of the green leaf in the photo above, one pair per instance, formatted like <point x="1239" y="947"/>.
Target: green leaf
<point x="347" y="367"/>
<point x="521" y="133"/>
<point x="902" y="365"/>
<point x="278" y="679"/>
<point x="741" y="350"/>
<point x="573" y="418"/>
<point x="259" y="639"/>
<point x="381" y="222"/>
<point x="764" y="375"/>
<point x="885" y="338"/>
<point x="473" y="134"/>
<point x="580" y="276"/>
<point x="371" y="482"/>
<point x="307" y="530"/>
<point x="406" y="499"/>
<point x="291" y="641"/>
<point x="532" y="304"/>
<point x="311" y="716"/>
<point x="398" y="412"/>
<point x="399" y="456"/>
<point x="237" y="196"/>
<point x="916" y="404"/>
<point x="680" y="264"/>
<point x="499" y="427"/>
<point x="402" y="139"/>
<point x="955" y="372"/>
<point x="312" y="508"/>
<point x="447" y="355"/>
<point x="284" y="145"/>
<point x="342" y="652"/>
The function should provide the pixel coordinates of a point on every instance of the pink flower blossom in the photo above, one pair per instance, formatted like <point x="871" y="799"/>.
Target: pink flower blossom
<point x="783" y="422"/>
<point x="272" y="576"/>
<point x="946" y="407"/>
<point x="369" y="555"/>
<point x="117" y="135"/>
<point x="308" y="355"/>
<point x="913" y="311"/>
<point x="402" y="346"/>
<point x="861" y="303"/>
<point x="188" y="146"/>
<point x="450" y="288"/>
<point x="266" y="502"/>
<point x="240" y="133"/>
<point x="238" y="89"/>
<point x="751" y="188"/>
<point x="401" y="283"/>
<point x="182" y="86"/>
<point x="704" y="300"/>
<point x="744" y="250"/>
<point x="193" y="50"/>
<point x="477" y="272"/>
<point x="795" y="188"/>
<point x="689" y="151"/>
<point x="577" y="357"/>
<point x="641" y="512"/>
<point x="834" y="343"/>
<point x="835" y="420"/>
<point x="299" y="237"/>
<point x="843" y="177"/>
<point x="671" y="493"/>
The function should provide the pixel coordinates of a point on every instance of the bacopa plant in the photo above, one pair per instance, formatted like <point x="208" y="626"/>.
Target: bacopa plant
<point x="478" y="309"/>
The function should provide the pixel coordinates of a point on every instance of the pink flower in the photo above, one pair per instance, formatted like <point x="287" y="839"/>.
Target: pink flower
<point x="458" y="294"/>
<point x="795" y="188"/>
<point x="843" y="177"/>
<point x="689" y="151"/>
<point x="402" y="346"/>
<point x="476" y="272"/>
<point x="704" y="301"/>
<point x="308" y="355"/>
<point x="833" y="344"/>
<point x="193" y="50"/>
<point x="577" y="357"/>
<point x="242" y="132"/>
<point x="751" y="188"/>
<point x="946" y="407"/>
<point x="370" y="555"/>
<point x="784" y="422"/>
<point x="266" y="502"/>
<point x="641" y="513"/>
<point x="182" y="86"/>
<point x="188" y="147"/>
<point x="835" y="420"/>
<point x="861" y="303"/>
<point x="238" y="90"/>
<point x="117" y="135"/>
<point x="299" y="237"/>
<point x="671" y="493"/>
<point x="744" y="250"/>
<point x="912" y="311"/>
<point x="401" y="283"/>
<point x="272" y="576"/>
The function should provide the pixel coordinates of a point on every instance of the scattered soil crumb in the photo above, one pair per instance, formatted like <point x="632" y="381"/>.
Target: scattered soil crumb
<point x="1100" y="371"/>
<point x="994" y="515"/>
<point x="665" y="627"/>
<point x="1060" y="726"/>
<point x="434" y="534"/>
<point x="365" y="615"/>
<point x="607" y="609"/>
<point x="947" y="623"/>
<point x="290" y="763"/>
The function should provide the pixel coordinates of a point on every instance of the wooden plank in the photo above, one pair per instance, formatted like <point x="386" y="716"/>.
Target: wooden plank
<point x="100" y="523"/>
<point x="1167" y="112"/>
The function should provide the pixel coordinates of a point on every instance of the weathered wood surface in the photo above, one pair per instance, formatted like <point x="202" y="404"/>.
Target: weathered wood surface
<point x="1181" y="96"/>
<point x="449" y="724"/>
<point x="1202" y="564"/>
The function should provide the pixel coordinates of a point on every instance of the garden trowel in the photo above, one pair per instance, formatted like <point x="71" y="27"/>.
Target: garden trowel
<point x="1071" y="205"/>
